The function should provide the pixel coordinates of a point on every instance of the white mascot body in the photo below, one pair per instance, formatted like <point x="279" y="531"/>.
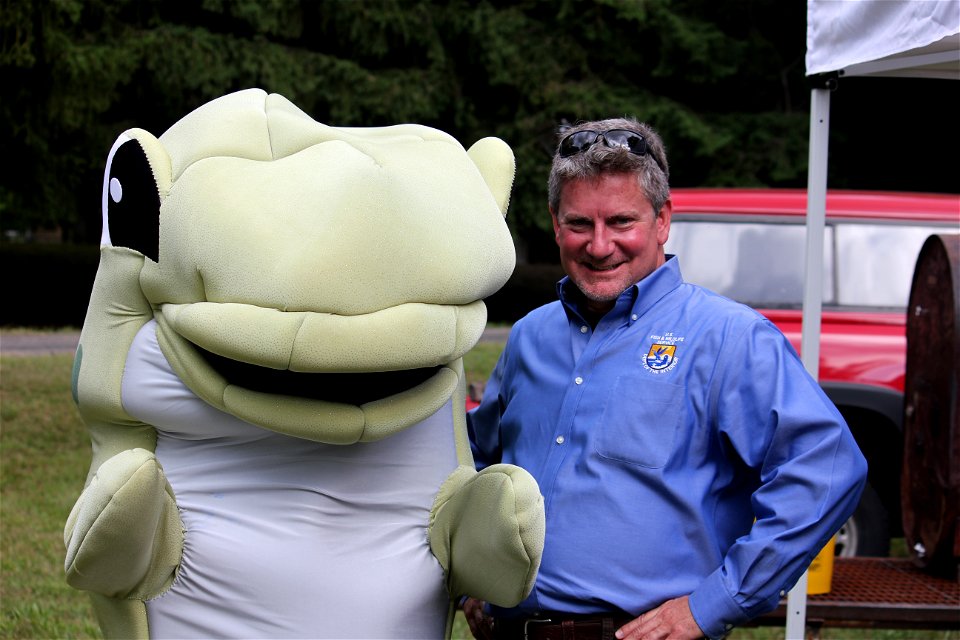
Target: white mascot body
<point x="270" y="370"/>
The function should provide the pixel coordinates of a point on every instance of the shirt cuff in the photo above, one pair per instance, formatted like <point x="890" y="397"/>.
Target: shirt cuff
<point x="713" y="608"/>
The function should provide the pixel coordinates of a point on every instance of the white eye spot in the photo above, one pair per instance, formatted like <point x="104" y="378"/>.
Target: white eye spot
<point x="116" y="190"/>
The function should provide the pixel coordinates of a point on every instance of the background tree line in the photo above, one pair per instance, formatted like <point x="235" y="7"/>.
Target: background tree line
<point x="721" y="80"/>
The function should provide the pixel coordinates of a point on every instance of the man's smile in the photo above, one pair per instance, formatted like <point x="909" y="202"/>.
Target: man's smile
<point x="601" y="267"/>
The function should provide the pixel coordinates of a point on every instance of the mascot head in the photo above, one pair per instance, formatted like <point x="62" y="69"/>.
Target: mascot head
<point x="317" y="281"/>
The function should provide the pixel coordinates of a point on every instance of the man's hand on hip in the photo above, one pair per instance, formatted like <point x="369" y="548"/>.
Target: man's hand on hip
<point x="670" y="621"/>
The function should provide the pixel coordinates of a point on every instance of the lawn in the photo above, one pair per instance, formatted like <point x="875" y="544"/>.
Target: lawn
<point x="44" y="454"/>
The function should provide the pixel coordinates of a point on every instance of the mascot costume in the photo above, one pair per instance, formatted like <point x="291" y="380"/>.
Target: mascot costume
<point x="270" y="371"/>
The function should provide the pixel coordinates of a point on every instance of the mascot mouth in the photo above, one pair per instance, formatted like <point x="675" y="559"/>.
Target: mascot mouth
<point x="320" y="392"/>
<point x="348" y="388"/>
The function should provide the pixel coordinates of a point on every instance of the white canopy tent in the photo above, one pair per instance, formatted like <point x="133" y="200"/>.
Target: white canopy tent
<point x="892" y="38"/>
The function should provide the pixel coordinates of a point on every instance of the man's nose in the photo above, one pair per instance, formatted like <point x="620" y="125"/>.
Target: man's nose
<point x="600" y="244"/>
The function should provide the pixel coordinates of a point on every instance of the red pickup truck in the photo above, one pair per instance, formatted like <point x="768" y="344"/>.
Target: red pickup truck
<point x="749" y="245"/>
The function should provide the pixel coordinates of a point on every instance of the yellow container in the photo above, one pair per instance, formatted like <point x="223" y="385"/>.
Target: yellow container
<point x="820" y="572"/>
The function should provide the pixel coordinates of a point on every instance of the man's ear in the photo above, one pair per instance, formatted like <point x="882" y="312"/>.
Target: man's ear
<point x="663" y="222"/>
<point x="556" y="224"/>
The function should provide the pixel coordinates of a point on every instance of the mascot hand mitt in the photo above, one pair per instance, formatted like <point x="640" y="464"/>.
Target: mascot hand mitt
<point x="271" y="373"/>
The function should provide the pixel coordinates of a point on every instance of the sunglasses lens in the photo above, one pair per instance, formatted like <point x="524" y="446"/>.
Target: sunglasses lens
<point x="577" y="142"/>
<point x="630" y="140"/>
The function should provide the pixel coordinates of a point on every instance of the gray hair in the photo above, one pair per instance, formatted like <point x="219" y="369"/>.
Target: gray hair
<point x="601" y="159"/>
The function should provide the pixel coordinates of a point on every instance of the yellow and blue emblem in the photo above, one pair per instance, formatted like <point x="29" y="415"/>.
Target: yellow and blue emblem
<point x="661" y="357"/>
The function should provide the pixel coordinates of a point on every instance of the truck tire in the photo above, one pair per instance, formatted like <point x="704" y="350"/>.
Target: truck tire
<point x="867" y="531"/>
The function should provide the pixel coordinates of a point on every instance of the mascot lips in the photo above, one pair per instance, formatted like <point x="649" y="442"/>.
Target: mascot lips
<point x="405" y="337"/>
<point x="349" y="388"/>
<point x="313" y="375"/>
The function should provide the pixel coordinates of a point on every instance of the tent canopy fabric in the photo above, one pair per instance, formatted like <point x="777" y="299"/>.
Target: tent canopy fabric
<point x="908" y="38"/>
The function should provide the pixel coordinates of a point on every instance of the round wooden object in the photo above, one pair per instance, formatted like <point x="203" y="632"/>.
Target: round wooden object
<point x="930" y="481"/>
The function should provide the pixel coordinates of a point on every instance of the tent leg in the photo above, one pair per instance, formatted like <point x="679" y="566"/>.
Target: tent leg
<point x="812" y="296"/>
<point x="816" y="215"/>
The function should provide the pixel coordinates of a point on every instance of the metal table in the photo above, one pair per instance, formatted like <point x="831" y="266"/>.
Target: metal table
<point x="881" y="593"/>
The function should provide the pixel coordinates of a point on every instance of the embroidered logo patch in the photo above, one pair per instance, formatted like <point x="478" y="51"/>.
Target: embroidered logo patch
<point x="662" y="356"/>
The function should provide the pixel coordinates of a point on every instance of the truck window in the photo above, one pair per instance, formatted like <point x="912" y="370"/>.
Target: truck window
<point x="761" y="263"/>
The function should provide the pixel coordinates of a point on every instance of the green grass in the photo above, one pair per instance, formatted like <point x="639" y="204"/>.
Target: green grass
<point x="44" y="453"/>
<point x="479" y="361"/>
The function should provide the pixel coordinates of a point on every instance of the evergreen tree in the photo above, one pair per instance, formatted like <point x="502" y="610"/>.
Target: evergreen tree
<point x="723" y="83"/>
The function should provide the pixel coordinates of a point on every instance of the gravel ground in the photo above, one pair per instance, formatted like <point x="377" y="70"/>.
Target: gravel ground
<point x="27" y="343"/>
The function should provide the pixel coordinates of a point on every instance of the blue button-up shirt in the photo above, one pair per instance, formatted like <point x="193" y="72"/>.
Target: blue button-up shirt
<point x="680" y="446"/>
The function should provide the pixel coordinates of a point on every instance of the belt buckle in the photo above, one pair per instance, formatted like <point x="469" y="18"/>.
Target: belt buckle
<point x="526" y="624"/>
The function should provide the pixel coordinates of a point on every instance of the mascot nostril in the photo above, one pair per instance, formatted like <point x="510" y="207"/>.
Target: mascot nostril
<point x="272" y="379"/>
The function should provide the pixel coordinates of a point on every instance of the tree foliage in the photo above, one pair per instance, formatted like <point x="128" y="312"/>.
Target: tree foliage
<point x="721" y="81"/>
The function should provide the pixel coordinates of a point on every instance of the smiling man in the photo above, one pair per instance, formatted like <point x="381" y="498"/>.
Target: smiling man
<point x="609" y="236"/>
<point x="690" y="467"/>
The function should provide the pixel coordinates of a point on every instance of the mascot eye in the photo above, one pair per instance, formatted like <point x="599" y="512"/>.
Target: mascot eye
<point x="116" y="190"/>
<point x="132" y="200"/>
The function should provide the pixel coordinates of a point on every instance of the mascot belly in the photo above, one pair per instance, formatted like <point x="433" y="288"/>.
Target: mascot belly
<point x="260" y="506"/>
<point x="270" y="370"/>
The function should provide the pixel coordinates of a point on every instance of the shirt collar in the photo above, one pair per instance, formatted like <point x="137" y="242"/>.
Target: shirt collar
<point x="638" y="298"/>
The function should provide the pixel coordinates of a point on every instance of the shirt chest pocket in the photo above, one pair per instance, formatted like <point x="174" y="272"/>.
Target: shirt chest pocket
<point x="640" y="421"/>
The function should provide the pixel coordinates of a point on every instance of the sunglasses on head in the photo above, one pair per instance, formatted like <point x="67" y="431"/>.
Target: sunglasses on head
<point x="580" y="141"/>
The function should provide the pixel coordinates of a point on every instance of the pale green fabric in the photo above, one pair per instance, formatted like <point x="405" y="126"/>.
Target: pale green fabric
<point x="487" y="530"/>
<point x="125" y="536"/>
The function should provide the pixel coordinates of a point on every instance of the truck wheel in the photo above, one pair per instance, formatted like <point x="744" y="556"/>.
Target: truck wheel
<point x="867" y="531"/>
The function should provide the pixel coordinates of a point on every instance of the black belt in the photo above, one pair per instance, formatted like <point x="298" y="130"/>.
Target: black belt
<point x="560" y="627"/>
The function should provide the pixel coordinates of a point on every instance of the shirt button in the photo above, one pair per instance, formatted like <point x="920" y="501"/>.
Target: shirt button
<point x="561" y="439"/>
<point x="584" y="329"/>
<point x="633" y="317"/>
<point x="578" y="380"/>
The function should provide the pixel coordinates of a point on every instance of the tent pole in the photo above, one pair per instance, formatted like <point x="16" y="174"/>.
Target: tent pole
<point x="816" y="215"/>
<point x="812" y="295"/>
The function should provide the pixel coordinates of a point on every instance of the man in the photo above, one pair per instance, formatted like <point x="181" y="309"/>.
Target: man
<point x="690" y="467"/>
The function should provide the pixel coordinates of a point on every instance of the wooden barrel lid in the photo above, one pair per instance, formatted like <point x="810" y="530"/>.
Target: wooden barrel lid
<point x="930" y="480"/>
